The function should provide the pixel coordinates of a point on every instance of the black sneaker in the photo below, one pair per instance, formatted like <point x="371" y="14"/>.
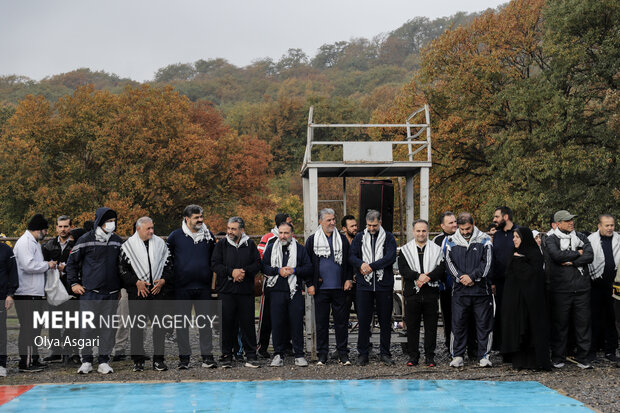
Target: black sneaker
<point x="159" y="366"/>
<point x="29" y="369"/>
<point x="322" y="360"/>
<point x="38" y="364"/>
<point x="430" y="362"/>
<point x="386" y="359"/>
<point x="252" y="363"/>
<point x="238" y="357"/>
<point x="139" y="366"/>
<point x="226" y="362"/>
<point x="53" y="357"/>
<point x="119" y="357"/>
<point x="183" y="365"/>
<point x="611" y="357"/>
<point x="413" y="362"/>
<point x="362" y="360"/>
<point x="264" y="354"/>
<point x="208" y="362"/>
<point x="76" y="359"/>
<point x="344" y="360"/>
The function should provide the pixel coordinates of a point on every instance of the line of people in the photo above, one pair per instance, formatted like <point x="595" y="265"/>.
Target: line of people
<point x="536" y="288"/>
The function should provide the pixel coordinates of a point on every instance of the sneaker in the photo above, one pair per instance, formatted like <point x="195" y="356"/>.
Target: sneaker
<point x="344" y="360"/>
<point x="413" y="362"/>
<point x="29" y="369"/>
<point x="183" y="365"/>
<point x="584" y="365"/>
<point x="239" y="357"/>
<point x="264" y="354"/>
<point x="159" y="366"/>
<point x="430" y="362"/>
<point x="362" y="360"/>
<point x="85" y="368"/>
<point x="104" y="368"/>
<point x="322" y="360"/>
<point x="252" y="363"/>
<point x="76" y="359"/>
<point x="138" y="367"/>
<point x="558" y="364"/>
<point x="53" y="358"/>
<point x="386" y="359"/>
<point x="457" y="362"/>
<point x="301" y="362"/>
<point x="611" y="357"/>
<point x="485" y="362"/>
<point x="119" y="357"/>
<point x="2" y="371"/>
<point x="39" y="365"/>
<point x="208" y="362"/>
<point x="277" y="361"/>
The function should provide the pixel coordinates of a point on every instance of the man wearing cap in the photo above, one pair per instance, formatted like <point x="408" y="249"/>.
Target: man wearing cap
<point x="92" y="272"/>
<point x="570" y="253"/>
<point x="29" y="296"/>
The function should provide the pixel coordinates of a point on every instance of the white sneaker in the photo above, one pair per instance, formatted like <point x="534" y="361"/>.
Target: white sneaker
<point x="558" y="365"/>
<point x="277" y="361"/>
<point x="485" y="362"/>
<point x="301" y="362"/>
<point x="104" y="368"/>
<point x="584" y="365"/>
<point x="85" y="368"/>
<point x="2" y="371"/>
<point x="457" y="362"/>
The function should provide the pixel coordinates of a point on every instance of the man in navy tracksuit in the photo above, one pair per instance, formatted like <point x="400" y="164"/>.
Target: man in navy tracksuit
<point x="236" y="262"/>
<point x="286" y="266"/>
<point x="191" y="248"/>
<point x="92" y="272"/>
<point x="373" y="252"/>
<point x="469" y="257"/>
<point x="8" y="284"/>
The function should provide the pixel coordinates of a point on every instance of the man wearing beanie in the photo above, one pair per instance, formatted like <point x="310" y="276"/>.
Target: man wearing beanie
<point x="29" y="296"/>
<point x="92" y="272"/>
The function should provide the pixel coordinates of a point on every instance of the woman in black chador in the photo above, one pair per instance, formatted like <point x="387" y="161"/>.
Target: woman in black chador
<point x="525" y="326"/>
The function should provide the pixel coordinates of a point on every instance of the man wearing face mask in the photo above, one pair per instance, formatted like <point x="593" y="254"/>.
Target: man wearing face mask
<point x="569" y="254"/>
<point x="92" y="272"/>
<point x="286" y="266"/>
<point x="469" y="258"/>
<point x="29" y="296"/>
<point x="236" y="262"/>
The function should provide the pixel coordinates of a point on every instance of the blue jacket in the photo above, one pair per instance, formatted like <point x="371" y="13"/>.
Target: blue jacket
<point x="473" y="258"/>
<point x="191" y="262"/>
<point x="94" y="264"/>
<point x="385" y="263"/>
<point x="303" y="268"/>
<point x="9" y="280"/>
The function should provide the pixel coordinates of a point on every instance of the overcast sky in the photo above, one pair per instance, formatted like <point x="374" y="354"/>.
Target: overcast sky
<point x="134" y="38"/>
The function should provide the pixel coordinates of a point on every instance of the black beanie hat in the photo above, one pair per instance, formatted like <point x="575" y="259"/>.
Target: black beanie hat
<point x="109" y="214"/>
<point x="37" y="223"/>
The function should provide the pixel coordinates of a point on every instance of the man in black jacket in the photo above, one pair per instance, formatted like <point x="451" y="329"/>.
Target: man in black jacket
<point x="447" y="222"/>
<point x="236" y="262"/>
<point x="422" y="267"/>
<point x="146" y="270"/>
<point x="569" y="254"/>
<point x="8" y="285"/>
<point x="92" y="272"/>
<point x="58" y="249"/>
<point x="286" y="266"/>
<point x="328" y="251"/>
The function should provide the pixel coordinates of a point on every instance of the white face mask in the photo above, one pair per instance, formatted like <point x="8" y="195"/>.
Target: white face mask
<point x="109" y="226"/>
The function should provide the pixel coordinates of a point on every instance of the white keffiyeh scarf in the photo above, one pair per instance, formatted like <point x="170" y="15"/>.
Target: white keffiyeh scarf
<point x="244" y="239"/>
<point x="202" y="234"/>
<point x="367" y="253"/>
<point x="321" y="245"/>
<point x="276" y="262"/>
<point x="431" y="259"/>
<point x="136" y="253"/>
<point x="569" y="242"/>
<point x="598" y="265"/>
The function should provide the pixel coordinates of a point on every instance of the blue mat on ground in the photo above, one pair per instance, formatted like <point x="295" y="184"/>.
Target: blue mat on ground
<point x="299" y="396"/>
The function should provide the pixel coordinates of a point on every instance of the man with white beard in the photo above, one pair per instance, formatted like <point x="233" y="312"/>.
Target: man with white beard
<point x="286" y="265"/>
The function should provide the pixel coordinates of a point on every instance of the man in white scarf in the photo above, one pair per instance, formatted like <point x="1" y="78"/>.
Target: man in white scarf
<point x="145" y="268"/>
<point x="421" y="266"/>
<point x="328" y="250"/>
<point x="606" y="248"/>
<point x="373" y="253"/>
<point x="569" y="254"/>
<point x="286" y="265"/>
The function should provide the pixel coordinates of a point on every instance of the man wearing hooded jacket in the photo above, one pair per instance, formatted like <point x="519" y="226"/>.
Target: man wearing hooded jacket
<point x="569" y="254"/>
<point x="468" y="259"/>
<point x="92" y="272"/>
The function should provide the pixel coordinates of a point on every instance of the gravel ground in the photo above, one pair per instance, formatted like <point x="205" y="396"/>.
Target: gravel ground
<point x="597" y="388"/>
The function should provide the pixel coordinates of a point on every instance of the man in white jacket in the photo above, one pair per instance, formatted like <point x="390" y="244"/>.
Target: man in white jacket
<point x="31" y="268"/>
